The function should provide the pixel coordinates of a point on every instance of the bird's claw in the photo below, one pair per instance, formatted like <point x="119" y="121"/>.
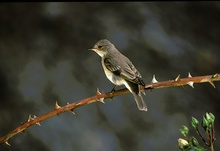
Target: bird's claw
<point x="113" y="90"/>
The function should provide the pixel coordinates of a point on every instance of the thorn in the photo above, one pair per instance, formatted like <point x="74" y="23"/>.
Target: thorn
<point x="215" y="75"/>
<point x="211" y="82"/>
<point x="177" y="78"/>
<point x="38" y="123"/>
<point x="189" y="75"/>
<point x="98" y="92"/>
<point x="57" y="106"/>
<point x="72" y="112"/>
<point x="101" y="100"/>
<point x="32" y="118"/>
<point x="71" y="109"/>
<point x="29" y="118"/>
<point x="154" y="80"/>
<point x="190" y="84"/>
<point x="7" y="143"/>
<point x="111" y="98"/>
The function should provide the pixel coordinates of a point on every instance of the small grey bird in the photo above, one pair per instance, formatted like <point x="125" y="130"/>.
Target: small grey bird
<point x="120" y="70"/>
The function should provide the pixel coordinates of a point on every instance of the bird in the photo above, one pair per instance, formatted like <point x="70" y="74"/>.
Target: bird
<point x="120" y="70"/>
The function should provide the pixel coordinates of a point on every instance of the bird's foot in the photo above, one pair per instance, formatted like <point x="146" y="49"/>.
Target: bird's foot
<point x="113" y="90"/>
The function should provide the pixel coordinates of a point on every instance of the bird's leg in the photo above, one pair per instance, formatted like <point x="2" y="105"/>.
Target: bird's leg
<point x="113" y="90"/>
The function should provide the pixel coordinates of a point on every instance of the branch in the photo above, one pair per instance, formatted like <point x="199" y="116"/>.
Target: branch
<point x="100" y="98"/>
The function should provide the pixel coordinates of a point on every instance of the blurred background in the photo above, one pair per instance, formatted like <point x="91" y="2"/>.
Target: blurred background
<point x="44" y="58"/>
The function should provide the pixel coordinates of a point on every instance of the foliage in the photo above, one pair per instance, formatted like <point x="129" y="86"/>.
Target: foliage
<point x="190" y="143"/>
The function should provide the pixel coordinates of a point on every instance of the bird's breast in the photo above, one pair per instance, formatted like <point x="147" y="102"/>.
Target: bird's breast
<point x="117" y="80"/>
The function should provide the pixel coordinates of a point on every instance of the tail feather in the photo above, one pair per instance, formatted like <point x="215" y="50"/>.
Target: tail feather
<point x="140" y="102"/>
<point x="136" y="91"/>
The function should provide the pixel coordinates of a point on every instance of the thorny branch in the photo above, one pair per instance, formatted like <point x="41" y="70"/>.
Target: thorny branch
<point x="100" y="98"/>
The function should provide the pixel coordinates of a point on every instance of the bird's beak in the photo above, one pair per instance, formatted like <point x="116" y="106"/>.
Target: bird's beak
<point x="92" y="49"/>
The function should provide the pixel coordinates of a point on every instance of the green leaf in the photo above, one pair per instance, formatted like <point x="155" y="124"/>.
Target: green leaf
<point x="208" y="117"/>
<point x="212" y="117"/>
<point x="194" y="122"/>
<point x="194" y="141"/>
<point x="205" y="123"/>
<point x="195" y="149"/>
<point x="184" y="130"/>
<point x="192" y="148"/>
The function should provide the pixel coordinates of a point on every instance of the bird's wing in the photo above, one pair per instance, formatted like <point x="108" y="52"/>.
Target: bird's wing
<point x="112" y="66"/>
<point x="125" y="69"/>
<point x="130" y="73"/>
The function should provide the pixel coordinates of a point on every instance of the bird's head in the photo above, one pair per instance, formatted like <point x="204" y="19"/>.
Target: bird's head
<point x="102" y="47"/>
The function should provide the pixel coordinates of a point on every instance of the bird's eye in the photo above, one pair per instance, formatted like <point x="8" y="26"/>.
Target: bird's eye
<point x="99" y="47"/>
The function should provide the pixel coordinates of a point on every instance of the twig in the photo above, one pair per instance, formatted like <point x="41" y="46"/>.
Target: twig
<point x="212" y="138"/>
<point x="100" y="98"/>
<point x="202" y="138"/>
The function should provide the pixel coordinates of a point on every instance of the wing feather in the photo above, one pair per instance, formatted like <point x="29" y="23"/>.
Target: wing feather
<point x="124" y="68"/>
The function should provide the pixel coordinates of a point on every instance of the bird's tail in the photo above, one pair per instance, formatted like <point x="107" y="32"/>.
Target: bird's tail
<point x="135" y="89"/>
<point x="140" y="102"/>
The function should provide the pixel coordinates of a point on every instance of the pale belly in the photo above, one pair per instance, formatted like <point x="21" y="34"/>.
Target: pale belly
<point x="113" y="78"/>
